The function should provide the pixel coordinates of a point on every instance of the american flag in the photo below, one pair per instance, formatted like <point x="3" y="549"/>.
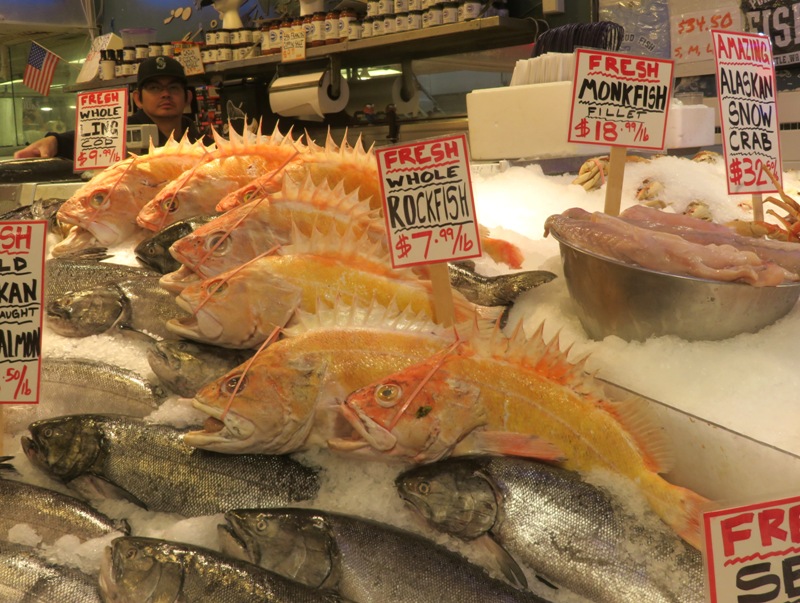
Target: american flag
<point x="39" y="70"/>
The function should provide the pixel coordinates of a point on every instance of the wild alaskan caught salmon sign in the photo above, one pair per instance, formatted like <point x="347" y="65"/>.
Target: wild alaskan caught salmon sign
<point x="753" y="552"/>
<point x="100" y="130"/>
<point x="428" y="204"/>
<point x="22" y="250"/>
<point x="747" y="94"/>
<point x="620" y="100"/>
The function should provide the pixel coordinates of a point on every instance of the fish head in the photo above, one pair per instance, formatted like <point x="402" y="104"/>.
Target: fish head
<point x="258" y="188"/>
<point x="392" y="419"/>
<point x="294" y="543"/>
<point x="154" y="252"/>
<point x="89" y="312"/>
<point x="132" y="569"/>
<point x="237" y="309"/>
<point x="64" y="447"/>
<point x="269" y="409"/>
<point x="167" y="207"/>
<point x="455" y="496"/>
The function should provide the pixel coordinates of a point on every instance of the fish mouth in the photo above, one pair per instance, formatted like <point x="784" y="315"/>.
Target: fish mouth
<point x="76" y="240"/>
<point x="201" y="326"/>
<point x="233" y="434"/>
<point x="177" y="281"/>
<point x="373" y="434"/>
<point x="231" y="542"/>
<point x="108" y="586"/>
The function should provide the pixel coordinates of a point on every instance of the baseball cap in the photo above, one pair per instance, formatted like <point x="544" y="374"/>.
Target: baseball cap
<point x="160" y="66"/>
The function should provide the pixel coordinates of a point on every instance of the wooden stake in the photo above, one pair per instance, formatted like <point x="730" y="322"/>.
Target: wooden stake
<point x="2" y="429"/>
<point x="443" y="307"/>
<point x="616" y="174"/>
<point x="758" y="207"/>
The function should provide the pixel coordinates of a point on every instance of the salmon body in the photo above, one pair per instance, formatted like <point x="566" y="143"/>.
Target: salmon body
<point x="242" y="233"/>
<point x="287" y="399"/>
<point x="241" y="307"/>
<point x="516" y="386"/>
<point x="232" y="165"/>
<point x="108" y="204"/>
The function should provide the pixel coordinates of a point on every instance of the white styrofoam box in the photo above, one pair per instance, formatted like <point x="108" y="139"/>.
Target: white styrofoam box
<point x="532" y="122"/>
<point x="523" y="122"/>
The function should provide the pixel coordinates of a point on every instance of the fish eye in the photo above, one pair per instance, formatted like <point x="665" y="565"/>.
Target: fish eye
<point x="170" y="205"/>
<point x="261" y="525"/>
<point x="229" y="387"/>
<point x="99" y="200"/>
<point x="130" y="554"/>
<point x="218" y="238"/>
<point x="387" y="395"/>
<point x="48" y="432"/>
<point x="216" y="287"/>
<point x="248" y="195"/>
<point x="424" y="488"/>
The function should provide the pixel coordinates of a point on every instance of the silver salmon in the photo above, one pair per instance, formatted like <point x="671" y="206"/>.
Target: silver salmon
<point x="152" y="466"/>
<point x="364" y="560"/>
<point x="137" y="569"/>
<point x="550" y="520"/>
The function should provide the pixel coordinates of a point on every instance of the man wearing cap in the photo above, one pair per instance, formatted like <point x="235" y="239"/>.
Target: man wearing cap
<point x="160" y="95"/>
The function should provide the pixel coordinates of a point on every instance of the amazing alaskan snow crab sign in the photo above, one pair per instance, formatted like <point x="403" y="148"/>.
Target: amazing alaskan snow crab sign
<point x="753" y="552"/>
<point x="22" y="251"/>
<point x="748" y="111"/>
<point x="620" y="100"/>
<point x="428" y="203"/>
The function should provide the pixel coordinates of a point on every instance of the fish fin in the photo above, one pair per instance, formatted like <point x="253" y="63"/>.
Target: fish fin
<point x="650" y="438"/>
<point x="7" y="468"/>
<point x="502" y="252"/>
<point x="93" y="487"/>
<point x="679" y="507"/>
<point x="504" y="561"/>
<point x="510" y="444"/>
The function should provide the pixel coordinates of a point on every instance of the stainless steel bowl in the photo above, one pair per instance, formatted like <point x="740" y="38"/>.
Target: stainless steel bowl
<point x="613" y="298"/>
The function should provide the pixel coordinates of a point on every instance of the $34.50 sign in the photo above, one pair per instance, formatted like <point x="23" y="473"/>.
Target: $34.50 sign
<point x="428" y="203"/>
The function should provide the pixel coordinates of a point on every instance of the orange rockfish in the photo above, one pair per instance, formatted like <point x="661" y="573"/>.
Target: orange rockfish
<point x="232" y="165"/>
<point x="518" y="386"/>
<point x="107" y="205"/>
<point x="241" y="307"/>
<point x="287" y="399"/>
<point x="242" y="233"/>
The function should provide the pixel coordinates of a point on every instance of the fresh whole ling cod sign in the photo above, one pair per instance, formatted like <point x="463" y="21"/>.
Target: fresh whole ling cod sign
<point x="22" y="251"/>
<point x="428" y="203"/>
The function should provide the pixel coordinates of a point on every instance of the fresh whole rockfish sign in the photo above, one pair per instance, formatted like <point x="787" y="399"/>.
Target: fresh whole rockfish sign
<point x="462" y="399"/>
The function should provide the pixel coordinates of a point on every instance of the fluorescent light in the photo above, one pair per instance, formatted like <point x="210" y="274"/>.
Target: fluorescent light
<point x="45" y="108"/>
<point x="383" y="71"/>
<point x="77" y="61"/>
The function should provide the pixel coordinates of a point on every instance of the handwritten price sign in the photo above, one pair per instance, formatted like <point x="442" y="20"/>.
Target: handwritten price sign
<point x="22" y="251"/>
<point x="620" y="100"/>
<point x="293" y="47"/>
<point x="691" y="32"/>
<point x="428" y="203"/>
<point x="100" y="129"/>
<point x="747" y="94"/>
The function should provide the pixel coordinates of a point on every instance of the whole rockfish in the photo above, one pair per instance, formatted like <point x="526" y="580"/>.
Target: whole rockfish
<point x="81" y="385"/>
<point x="153" y="252"/>
<point x="490" y="384"/>
<point x="247" y="231"/>
<point x="241" y="307"/>
<point x="108" y="204"/>
<point x="233" y="164"/>
<point x="153" y="467"/>
<point x="575" y="534"/>
<point x="286" y="401"/>
<point x="137" y="569"/>
<point x="186" y="366"/>
<point x="139" y="304"/>
<point x="362" y="559"/>
<point x="25" y="577"/>
<point x="51" y="514"/>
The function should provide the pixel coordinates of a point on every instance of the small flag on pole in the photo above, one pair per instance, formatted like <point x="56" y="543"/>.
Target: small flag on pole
<point x="40" y="69"/>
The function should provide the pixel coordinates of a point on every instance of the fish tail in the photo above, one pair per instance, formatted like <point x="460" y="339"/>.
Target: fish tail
<point x="678" y="507"/>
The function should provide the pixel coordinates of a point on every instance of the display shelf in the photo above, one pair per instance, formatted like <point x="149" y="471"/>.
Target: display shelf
<point x="441" y="40"/>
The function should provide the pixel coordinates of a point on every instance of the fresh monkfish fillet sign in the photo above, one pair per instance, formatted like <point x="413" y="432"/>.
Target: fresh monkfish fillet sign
<point x="747" y="93"/>
<point x="620" y="100"/>
<point x="427" y="201"/>
<point x="22" y="251"/>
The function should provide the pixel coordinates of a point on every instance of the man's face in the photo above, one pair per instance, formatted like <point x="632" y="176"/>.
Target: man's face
<point x="162" y="97"/>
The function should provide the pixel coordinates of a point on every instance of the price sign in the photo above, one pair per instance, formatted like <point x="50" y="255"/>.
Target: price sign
<point x="752" y="552"/>
<point x="690" y="33"/>
<point x="100" y="129"/>
<point x="22" y="251"/>
<point x="620" y="100"/>
<point x="293" y="47"/>
<point x="747" y="94"/>
<point x="428" y="203"/>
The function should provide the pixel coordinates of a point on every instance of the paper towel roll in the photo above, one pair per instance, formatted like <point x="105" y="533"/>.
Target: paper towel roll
<point x="306" y="96"/>
<point x="380" y="92"/>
